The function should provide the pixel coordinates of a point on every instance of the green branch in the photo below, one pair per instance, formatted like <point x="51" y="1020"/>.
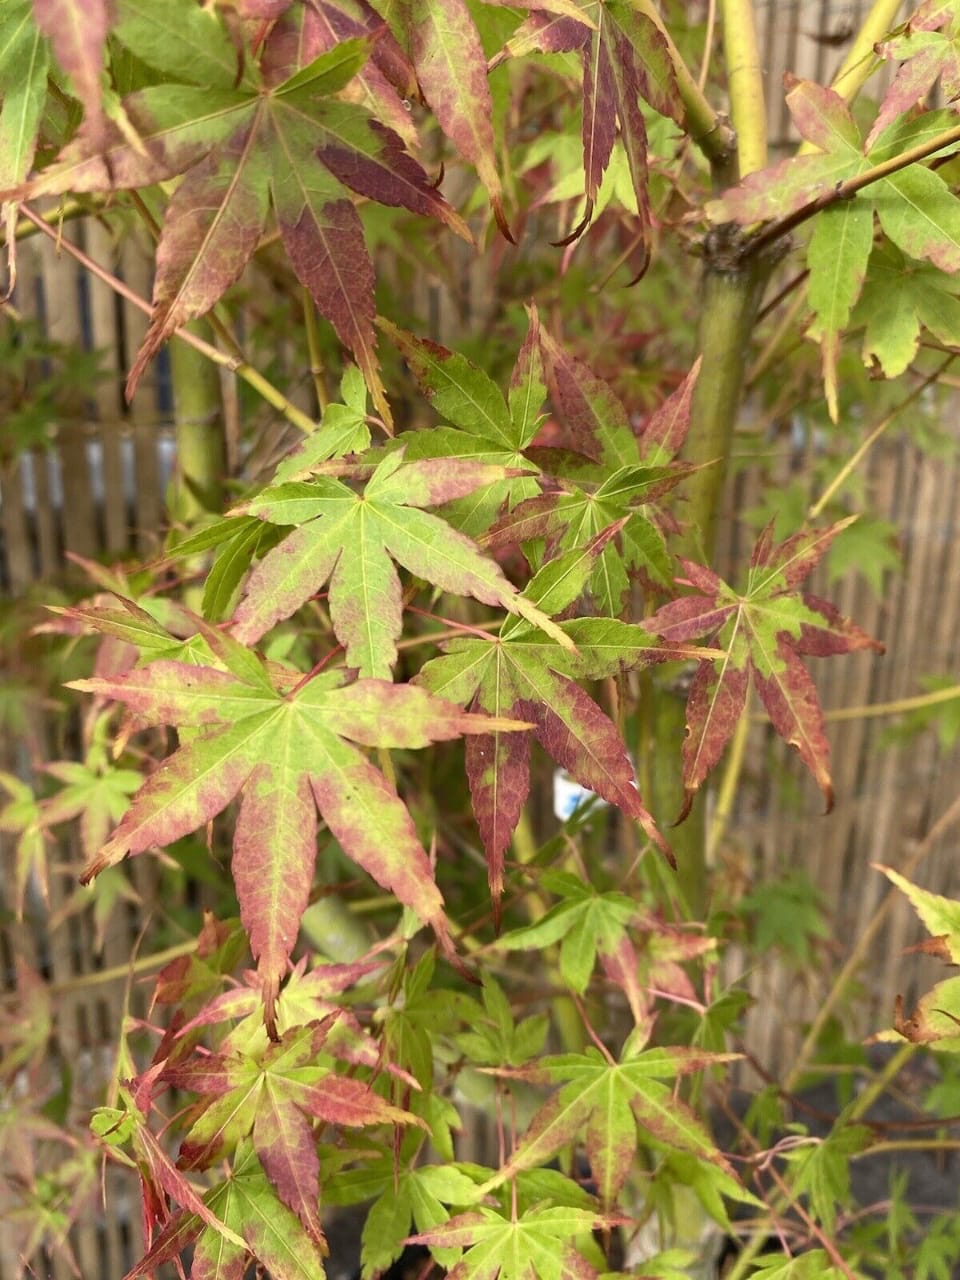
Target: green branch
<point x="707" y="127"/>
<point x="861" y="59"/>
<point x="748" y="108"/>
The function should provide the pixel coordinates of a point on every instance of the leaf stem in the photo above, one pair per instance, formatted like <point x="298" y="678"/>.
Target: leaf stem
<point x="878" y="1085"/>
<point x="65" y="212"/>
<point x="728" y="786"/>
<point x="252" y="377"/>
<point x="707" y="44"/>
<point x="748" y="108"/>
<point x="313" y="348"/>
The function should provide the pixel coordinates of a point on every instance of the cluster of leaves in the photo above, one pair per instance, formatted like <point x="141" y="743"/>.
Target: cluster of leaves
<point x="477" y="579"/>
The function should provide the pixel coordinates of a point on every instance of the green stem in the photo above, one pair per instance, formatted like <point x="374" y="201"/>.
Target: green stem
<point x="881" y="1082"/>
<point x="748" y="108"/>
<point x="706" y="127"/>
<point x="198" y="413"/>
<point x="861" y="59"/>
<point x="728" y="786"/>
<point x="141" y="965"/>
<point x="731" y="296"/>
<point x="897" y="707"/>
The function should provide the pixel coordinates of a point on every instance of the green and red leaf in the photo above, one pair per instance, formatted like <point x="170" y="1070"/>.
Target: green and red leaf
<point x="764" y="630"/>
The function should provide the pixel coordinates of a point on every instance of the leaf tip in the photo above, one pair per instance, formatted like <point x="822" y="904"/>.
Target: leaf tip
<point x="688" y="796"/>
<point x="502" y="223"/>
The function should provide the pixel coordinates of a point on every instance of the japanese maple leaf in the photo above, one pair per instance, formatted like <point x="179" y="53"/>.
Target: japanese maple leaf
<point x="353" y="540"/>
<point x="632" y="472"/>
<point x="77" y="30"/>
<point x="535" y="1245"/>
<point x="22" y="816"/>
<point x="927" y="48"/>
<point x="447" y="54"/>
<point x="276" y="1096"/>
<point x="96" y="792"/>
<point x="914" y="205"/>
<point x="764" y="631"/>
<point x="24" y="59"/>
<point x="307" y="998"/>
<point x="484" y="427"/>
<point x="289" y="752"/>
<point x="899" y="296"/>
<point x="417" y="1195"/>
<point x="260" y="1223"/>
<point x="584" y="923"/>
<point x="607" y="1102"/>
<point x="525" y="674"/>
<point x="161" y="1181"/>
<point x="625" y="57"/>
<point x="272" y="131"/>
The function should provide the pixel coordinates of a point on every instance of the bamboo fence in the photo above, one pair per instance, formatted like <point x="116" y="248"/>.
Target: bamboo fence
<point x="98" y="491"/>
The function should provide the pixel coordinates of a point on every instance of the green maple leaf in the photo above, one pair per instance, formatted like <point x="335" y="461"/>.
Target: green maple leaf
<point x="526" y="670"/>
<point x="353" y="540"/>
<point x="244" y="137"/>
<point x="261" y="1226"/>
<point x="96" y="791"/>
<point x="535" y="1245"/>
<point x="899" y="297"/>
<point x="290" y="751"/>
<point x="821" y="1171"/>
<point x="940" y="915"/>
<point x="584" y="923"/>
<point x="764" y="630"/>
<point x="927" y="49"/>
<point x="411" y="1195"/>
<point x="914" y="205"/>
<point x="22" y="816"/>
<point x="609" y="1103"/>
<point x="24" y="58"/>
<point x="812" y="1265"/>
<point x="632" y="471"/>
<point x="343" y="429"/>
<point x="788" y="914"/>
<point x="935" y="1019"/>
<point x="485" y="427"/>
<point x="276" y="1096"/>
<point x="495" y="1038"/>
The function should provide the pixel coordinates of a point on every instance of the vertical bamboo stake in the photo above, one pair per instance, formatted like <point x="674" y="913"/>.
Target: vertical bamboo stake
<point x="198" y="412"/>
